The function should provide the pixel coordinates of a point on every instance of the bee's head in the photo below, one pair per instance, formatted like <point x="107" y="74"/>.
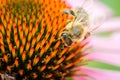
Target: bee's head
<point x="66" y="39"/>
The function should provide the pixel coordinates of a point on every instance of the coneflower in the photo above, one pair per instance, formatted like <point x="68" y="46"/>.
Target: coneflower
<point x="30" y="47"/>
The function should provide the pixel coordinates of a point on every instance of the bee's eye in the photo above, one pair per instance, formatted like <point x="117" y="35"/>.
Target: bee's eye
<point x="66" y="38"/>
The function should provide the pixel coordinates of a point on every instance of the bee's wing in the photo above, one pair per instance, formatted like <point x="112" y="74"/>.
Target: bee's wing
<point x="82" y="18"/>
<point x="86" y="4"/>
<point x="95" y="22"/>
<point x="89" y="19"/>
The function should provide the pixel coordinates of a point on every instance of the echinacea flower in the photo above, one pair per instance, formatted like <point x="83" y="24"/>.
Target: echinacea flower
<point x="30" y="48"/>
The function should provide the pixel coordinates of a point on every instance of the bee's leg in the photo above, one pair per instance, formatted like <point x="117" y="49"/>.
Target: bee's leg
<point x="62" y="46"/>
<point x="57" y="39"/>
<point x="87" y="35"/>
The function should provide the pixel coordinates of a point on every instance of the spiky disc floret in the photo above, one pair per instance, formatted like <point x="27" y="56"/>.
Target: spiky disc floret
<point x="29" y="45"/>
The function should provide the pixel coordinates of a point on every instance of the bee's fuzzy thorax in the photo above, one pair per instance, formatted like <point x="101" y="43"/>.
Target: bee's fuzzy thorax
<point x="29" y="45"/>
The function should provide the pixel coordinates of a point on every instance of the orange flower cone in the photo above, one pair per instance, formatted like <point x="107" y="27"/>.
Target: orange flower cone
<point x="30" y="47"/>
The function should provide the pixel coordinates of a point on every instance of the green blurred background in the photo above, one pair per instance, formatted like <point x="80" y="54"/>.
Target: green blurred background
<point x="115" y="6"/>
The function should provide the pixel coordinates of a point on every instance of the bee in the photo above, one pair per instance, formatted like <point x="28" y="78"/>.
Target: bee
<point x="82" y="25"/>
<point x="75" y="30"/>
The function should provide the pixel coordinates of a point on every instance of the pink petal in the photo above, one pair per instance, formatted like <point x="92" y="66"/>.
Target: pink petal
<point x="110" y="58"/>
<point x="98" y="74"/>
<point x="101" y="9"/>
<point x="75" y="3"/>
<point x="79" y="78"/>
<point x="116" y="36"/>
<point x="106" y="50"/>
<point x="111" y="44"/>
<point x="99" y="14"/>
<point x="111" y="25"/>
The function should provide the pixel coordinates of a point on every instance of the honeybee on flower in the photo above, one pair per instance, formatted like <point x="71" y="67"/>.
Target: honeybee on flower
<point x="80" y="27"/>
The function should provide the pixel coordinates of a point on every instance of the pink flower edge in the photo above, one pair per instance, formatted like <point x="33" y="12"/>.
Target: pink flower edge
<point x="97" y="74"/>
